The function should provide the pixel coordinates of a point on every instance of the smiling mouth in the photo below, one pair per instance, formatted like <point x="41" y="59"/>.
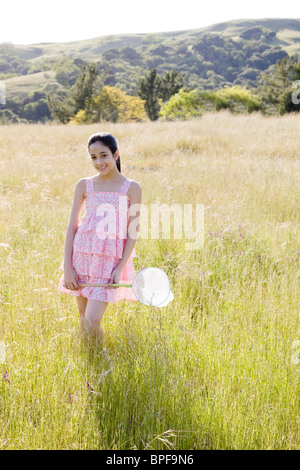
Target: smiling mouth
<point x="101" y="167"/>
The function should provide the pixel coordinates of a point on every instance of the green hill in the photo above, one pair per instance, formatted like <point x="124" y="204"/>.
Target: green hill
<point x="287" y="33"/>
<point x="21" y="86"/>
<point x="233" y="52"/>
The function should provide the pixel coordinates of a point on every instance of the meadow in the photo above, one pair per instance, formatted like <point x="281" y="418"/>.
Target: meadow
<point x="218" y="368"/>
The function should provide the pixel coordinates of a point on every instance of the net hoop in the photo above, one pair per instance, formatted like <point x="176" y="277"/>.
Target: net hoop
<point x="151" y="287"/>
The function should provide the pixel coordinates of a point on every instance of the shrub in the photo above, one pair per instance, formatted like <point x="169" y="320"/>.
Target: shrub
<point x="183" y="105"/>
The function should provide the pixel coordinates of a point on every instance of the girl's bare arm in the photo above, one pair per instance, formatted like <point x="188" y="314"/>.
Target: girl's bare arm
<point x="135" y="195"/>
<point x="78" y="199"/>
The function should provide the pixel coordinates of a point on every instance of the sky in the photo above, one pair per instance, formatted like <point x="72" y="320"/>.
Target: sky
<point x="34" y="21"/>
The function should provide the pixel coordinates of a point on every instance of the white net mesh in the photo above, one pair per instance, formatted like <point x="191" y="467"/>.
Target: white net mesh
<point x="151" y="287"/>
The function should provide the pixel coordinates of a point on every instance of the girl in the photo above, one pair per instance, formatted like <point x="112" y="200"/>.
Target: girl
<point x="98" y="248"/>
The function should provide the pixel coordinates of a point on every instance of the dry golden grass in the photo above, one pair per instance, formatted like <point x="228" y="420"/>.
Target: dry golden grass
<point x="216" y="369"/>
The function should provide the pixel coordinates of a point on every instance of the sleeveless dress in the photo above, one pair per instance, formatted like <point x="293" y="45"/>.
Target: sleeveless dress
<point x="99" y="244"/>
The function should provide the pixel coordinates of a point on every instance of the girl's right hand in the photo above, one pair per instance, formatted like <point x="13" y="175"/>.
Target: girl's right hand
<point x="71" y="279"/>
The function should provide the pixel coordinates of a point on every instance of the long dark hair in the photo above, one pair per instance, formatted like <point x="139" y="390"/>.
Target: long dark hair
<point x="109" y="141"/>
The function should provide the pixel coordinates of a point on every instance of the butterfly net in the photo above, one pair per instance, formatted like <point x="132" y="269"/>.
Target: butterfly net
<point x="151" y="287"/>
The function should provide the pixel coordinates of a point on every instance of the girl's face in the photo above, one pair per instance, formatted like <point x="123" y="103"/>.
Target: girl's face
<point x="102" y="158"/>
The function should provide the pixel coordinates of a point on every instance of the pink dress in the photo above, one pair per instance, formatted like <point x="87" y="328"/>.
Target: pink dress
<point x="99" y="244"/>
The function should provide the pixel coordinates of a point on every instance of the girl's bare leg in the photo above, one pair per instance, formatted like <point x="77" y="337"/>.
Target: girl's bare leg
<point x="81" y="303"/>
<point x="93" y="315"/>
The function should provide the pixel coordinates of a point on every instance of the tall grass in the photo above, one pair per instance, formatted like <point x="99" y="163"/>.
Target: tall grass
<point x="216" y="368"/>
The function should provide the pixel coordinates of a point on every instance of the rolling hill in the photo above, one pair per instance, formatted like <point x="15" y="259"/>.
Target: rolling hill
<point x="233" y="52"/>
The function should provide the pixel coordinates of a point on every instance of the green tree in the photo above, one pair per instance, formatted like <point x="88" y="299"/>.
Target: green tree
<point x="288" y="104"/>
<point x="183" y="105"/>
<point x="66" y="71"/>
<point x="84" y="87"/>
<point x="236" y="98"/>
<point x="169" y="84"/>
<point x="36" y="111"/>
<point x="8" y="117"/>
<point x="297" y="71"/>
<point x="153" y="88"/>
<point x="60" y="107"/>
<point x="239" y="99"/>
<point x="273" y="85"/>
<point x="290" y="100"/>
<point x="75" y="97"/>
<point x="148" y="90"/>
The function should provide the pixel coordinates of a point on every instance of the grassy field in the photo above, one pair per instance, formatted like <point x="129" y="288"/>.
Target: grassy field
<point x="218" y="368"/>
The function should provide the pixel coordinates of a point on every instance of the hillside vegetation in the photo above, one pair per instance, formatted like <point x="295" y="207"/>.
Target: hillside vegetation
<point x="254" y="44"/>
<point x="233" y="53"/>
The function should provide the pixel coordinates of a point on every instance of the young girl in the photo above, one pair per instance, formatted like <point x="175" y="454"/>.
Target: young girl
<point x="99" y="248"/>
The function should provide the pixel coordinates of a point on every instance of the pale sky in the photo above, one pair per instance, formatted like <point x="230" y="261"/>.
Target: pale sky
<point x="35" y="21"/>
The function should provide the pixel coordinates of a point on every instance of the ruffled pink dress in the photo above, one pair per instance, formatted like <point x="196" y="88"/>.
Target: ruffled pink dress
<point x="99" y="244"/>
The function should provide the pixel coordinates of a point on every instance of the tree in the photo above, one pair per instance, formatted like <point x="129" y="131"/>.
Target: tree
<point x="84" y="87"/>
<point x="148" y="89"/>
<point x="239" y="99"/>
<point x="183" y="105"/>
<point x="66" y="71"/>
<point x="8" y="117"/>
<point x="273" y="86"/>
<point x="153" y="87"/>
<point x="170" y="84"/>
<point x="36" y="111"/>
<point x="61" y="108"/>
<point x="132" y="109"/>
<point x="76" y="97"/>
<point x="252" y="33"/>
<point x="111" y="104"/>
<point x="288" y="104"/>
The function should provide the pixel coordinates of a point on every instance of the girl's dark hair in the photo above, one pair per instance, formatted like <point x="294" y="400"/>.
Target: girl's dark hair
<point x="109" y="141"/>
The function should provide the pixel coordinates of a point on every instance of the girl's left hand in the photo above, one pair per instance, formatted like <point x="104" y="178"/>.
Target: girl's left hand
<point x="115" y="277"/>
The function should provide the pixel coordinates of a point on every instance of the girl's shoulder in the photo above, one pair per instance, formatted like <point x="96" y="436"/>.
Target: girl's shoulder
<point x="134" y="185"/>
<point x="131" y="187"/>
<point x="135" y="190"/>
<point x="81" y="186"/>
